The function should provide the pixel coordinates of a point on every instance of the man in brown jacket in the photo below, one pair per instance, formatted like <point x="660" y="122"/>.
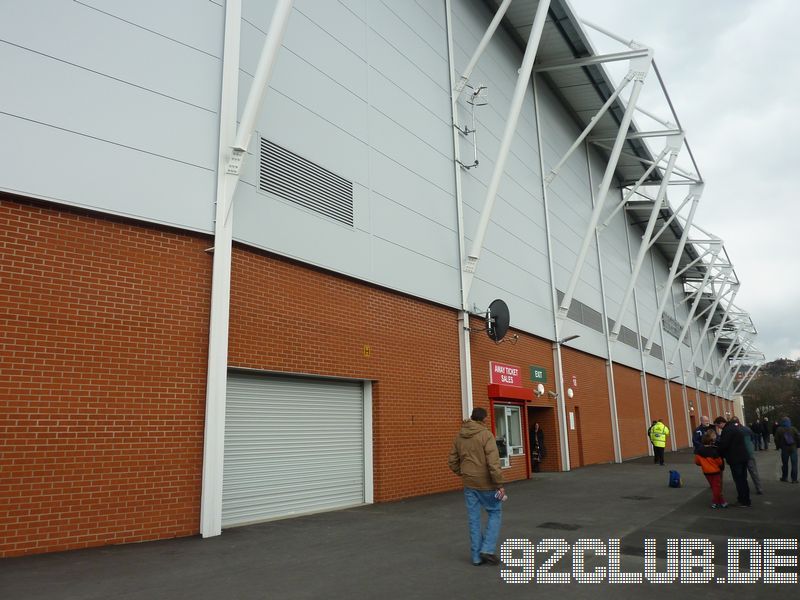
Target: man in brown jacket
<point x="475" y="458"/>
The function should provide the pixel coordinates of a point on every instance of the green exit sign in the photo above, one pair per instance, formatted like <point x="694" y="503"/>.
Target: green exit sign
<point x="539" y="374"/>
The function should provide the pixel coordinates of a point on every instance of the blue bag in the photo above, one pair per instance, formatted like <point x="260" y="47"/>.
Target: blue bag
<point x="675" y="479"/>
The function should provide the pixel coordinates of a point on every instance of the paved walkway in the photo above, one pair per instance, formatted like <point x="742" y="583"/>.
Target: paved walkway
<point x="418" y="548"/>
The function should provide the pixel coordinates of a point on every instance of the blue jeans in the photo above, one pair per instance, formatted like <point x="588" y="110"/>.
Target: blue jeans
<point x="483" y="541"/>
<point x="786" y="454"/>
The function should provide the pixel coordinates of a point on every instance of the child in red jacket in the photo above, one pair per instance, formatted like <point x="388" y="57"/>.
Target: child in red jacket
<point x="709" y="460"/>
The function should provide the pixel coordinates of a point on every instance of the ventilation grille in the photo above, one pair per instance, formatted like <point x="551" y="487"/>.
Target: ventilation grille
<point x="582" y="313"/>
<point x="298" y="180"/>
<point x="626" y="335"/>
<point x="674" y="328"/>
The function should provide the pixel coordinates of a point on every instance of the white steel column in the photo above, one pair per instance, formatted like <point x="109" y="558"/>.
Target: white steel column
<point x="674" y="143"/>
<point x="231" y="150"/>
<point x="612" y="392"/>
<point x="642" y="361"/>
<point x="558" y="375"/>
<point x="639" y="67"/>
<point x="673" y="270"/>
<point x="523" y="77"/>
<point x="464" y="353"/>
<point x="746" y="375"/>
<point x="667" y="380"/>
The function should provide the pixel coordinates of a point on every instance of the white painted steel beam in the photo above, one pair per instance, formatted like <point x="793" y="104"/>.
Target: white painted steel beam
<point x="693" y="309"/>
<point x="591" y="60"/>
<point x="640" y="67"/>
<point x="629" y="194"/>
<point x="720" y="329"/>
<point x="746" y="382"/>
<point x="558" y="376"/>
<point x="464" y="347"/>
<point x="674" y="143"/>
<point x="667" y="292"/>
<point x="523" y="77"/>
<point x="228" y="168"/>
<point x="487" y="36"/>
<point x="592" y="122"/>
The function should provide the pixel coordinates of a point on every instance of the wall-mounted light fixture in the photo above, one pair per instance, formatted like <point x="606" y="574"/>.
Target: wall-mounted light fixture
<point x="569" y="338"/>
<point x="539" y="391"/>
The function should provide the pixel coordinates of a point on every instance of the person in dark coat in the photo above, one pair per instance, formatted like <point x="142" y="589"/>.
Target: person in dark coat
<point x="697" y="436"/>
<point x="755" y="434"/>
<point x="537" y="447"/>
<point x="765" y="429"/>
<point x="775" y="439"/>
<point x="733" y="448"/>
<point x="787" y="438"/>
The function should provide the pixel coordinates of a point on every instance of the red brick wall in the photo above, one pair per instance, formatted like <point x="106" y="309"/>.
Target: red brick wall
<point x="594" y="412"/>
<point x="103" y="330"/>
<point x="295" y="319"/>
<point x="679" y="416"/>
<point x="657" y="396"/>
<point x="630" y="412"/>
<point x="527" y="351"/>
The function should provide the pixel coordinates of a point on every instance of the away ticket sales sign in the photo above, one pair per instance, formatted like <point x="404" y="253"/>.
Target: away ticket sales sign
<point x="505" y="374"/>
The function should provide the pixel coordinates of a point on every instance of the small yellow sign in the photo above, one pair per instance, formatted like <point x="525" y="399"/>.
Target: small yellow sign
<point x="367" y="351"/>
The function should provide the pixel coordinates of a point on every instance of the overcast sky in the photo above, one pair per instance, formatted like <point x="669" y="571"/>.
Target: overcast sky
<point x="732" y="69"/>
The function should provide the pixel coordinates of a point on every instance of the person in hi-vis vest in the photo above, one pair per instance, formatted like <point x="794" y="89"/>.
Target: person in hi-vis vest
<point x="658" y="435"/>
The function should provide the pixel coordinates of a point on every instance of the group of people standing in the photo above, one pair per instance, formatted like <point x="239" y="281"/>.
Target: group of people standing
<point x="732" y="443"/>
<point x="761" y="431"/>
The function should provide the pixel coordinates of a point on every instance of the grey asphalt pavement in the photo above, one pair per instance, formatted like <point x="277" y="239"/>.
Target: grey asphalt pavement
<point x="419" y="548"/>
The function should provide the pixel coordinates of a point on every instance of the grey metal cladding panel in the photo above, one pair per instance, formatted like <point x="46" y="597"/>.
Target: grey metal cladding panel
<point x="100" y="44"/>
<point x="402" y="269"/>
<point x="341" y="22"/>
<point x="531" y="313"/>
<point x="397" y="224"/>
<point x="82" y="171"/>
<point x="405" y="37"/>
<point x="294" y="127"/>
<point x="312" y="43"/>
<point x="106" y="109"/>
<point x="470" y="20"/>
<point x="410" y="151"/>
<point x="395" y="103"/>
<point x="429" y="28"/>
<point x="386" y="59"/>
<point x="267" y="222"/>
<point x="319" y="93"/>
<point x="502" y="275"/>
<point x="394" y="181"/>
<point x="168" y="19"/>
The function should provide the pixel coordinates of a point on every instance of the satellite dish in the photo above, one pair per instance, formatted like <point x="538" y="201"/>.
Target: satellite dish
<point x="497" y="320"/>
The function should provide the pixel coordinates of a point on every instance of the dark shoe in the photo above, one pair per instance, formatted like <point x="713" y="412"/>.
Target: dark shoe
<point x="490" y="559"/>
<point x="784" y="480"/>
<point x="794" y="482"/>
<point x="759" y="493"/>
<point x="478" y="564"/>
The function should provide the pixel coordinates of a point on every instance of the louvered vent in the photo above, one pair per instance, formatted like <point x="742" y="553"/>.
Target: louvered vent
<point x="298" y="180"/>
<point x="582" y="313"/>
<point x="626" y="335"/>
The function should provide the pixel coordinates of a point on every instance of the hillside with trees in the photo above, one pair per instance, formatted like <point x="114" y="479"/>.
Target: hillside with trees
<point x="775" y="392"/>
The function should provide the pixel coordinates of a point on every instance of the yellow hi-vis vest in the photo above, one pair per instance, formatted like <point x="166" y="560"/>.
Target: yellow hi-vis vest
<point x="658" y="435"/>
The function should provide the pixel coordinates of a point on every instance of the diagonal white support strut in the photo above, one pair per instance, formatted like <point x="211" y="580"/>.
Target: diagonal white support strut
<point x="487" y="36"/>
<point x="523" y="77"/>
<point x="665" y="295"/>
<point x="674" y="144"/>
<point x="640" y="67"/>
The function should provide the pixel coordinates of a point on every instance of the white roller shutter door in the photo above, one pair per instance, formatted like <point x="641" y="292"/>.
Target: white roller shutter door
<point x="292" y="446"/>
